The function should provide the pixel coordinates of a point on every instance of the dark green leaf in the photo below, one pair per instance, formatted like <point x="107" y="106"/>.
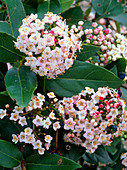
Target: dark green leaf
<point x="87" y="25"/>
<point x="125" y="107"/>
<point x="74" y="153"/>
<point x="8" y="53"/>
<point x="16" y="14"/>
<point x="100" y="155"/>
<point x="21" y="83"/>
<point x="120" y="64"/>
<point x="82" y="74"/>
<point x="30" y="6"/>
<point x="9" y="127"/>
<point x="114" y="70"/>
<point x="5" y="27"/>
<point x="50" y="162"/>
<point x="73" y="16"/>
<point x="124" y="93"/>
<point x="65" y="4"/>
<point x="87" y="12"/>
<point x="87" y="52"/>
<point x="3" y="68"/>
<point x="108" y="8"/>
<point x="48" y="6"/>
<point x="112" y="148"/>
<point x="5" y="99"/>
<point x="10" y="156"/>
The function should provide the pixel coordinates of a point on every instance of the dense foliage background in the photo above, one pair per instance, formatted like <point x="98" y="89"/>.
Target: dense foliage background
<point x="18" y="84"/>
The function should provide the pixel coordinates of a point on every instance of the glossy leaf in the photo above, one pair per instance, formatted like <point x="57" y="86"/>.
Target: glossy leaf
<point x="10" y="156"/>
<point x="5" y="27"/>
<point x="48" y="6"/>
<point x="100" y="155"/>
<point x="122" y="19"/>
<point x="65" y="4"/>
<point x="87" y="52"/>
<point x="73" y="16"/>
<point x="21" y="83"/>
<point x="108" y="8"/>
<point x="8" y="53"/>
<point x="16" y="13"/>
<point x="9" y="127"/>
<point x="50" y="162"/>
<point x="82" y="74"/>
<point x="30" y="6"/>
<point x="120" y="64"/>
<point x="74" y="153"/>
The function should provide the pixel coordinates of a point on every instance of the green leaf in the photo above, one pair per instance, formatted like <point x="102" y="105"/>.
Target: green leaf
<point x="80" y="75"/>
<point x="50" y="162"/>
<point x="108" y="8"/>
<point x="30" y="6"/>
<point x="9" y="127"/>
<point x="125" y="107"/>
<point x="73" y="16"/>
<point x="124" y="93"/>
<point x="5" y="99"/>
<point x="65" y="4"/>
<point x="112" y="148"/>
<point x="48" y="6"/>
<point x="87" y="12"/>
<point x="5" y="27"/>
<point x="87" y="25"/>
<point x="3" y="68"/>
<point x="120" y="64"/>
<point x="8" y="53"/>
<point x="122" y="19"/>
<point x="100" y="155"/>
<point x="21" y="83"/>
<point x="10" y="156"/>
<point x="74" y="153"/>
<point x="16" y="13"/>
<point x="87" y="52"/>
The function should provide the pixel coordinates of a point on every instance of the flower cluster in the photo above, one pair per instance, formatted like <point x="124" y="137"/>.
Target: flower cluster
<point x="111" y="47"/>
<point x="49" y="44"/>
<point x="124" y="159"/>
<point x="93" y="118"/>
<point x="37" y="134"/>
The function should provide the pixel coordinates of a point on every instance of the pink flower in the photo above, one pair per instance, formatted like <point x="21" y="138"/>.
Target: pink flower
<point x="69" y="124"/>
<point x="94" y="24"/>
<point x="106" y="31"/>
<point x="96" y="31"/>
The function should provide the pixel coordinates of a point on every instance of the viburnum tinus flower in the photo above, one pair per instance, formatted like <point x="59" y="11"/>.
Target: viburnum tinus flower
<point x="49" y="44"/>
<point x="124" y="159"/>
<point x="112" y="47"/>
<point x="93" y="118"/>
<point x="39" y="134"/>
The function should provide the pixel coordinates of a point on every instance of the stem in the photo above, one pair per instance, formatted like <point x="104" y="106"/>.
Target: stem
<point x="23" y="165"/>
<point x="56" y="139"/>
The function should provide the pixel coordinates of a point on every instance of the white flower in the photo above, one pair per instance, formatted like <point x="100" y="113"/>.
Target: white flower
<point x="41" y="97"/>
<point x="41" y="151"/>
<point x="47" y="123"/>
<point x="102" y="92"/>
<point x="2" y="113"/>
<point x="30" y="139"/>
<point x="56" y="125"/>
<point x="15" y="138"/>
<point x="14" y="116"/>
<point x="48" y="138"/>
<point x="22" y="137"/>
<point x="18" y="109"/>
<point x="51" y="95"/>
<point x="38" y="121"/>
<point x="37" y="144"/>
<point x="52" y="116"/>
<point x="113" y="112"/>
<point x="28" y="131"/>
<point x="22" y="121"/>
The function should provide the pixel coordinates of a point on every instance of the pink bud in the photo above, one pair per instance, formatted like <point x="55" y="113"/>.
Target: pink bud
<point x="116" y="105"/>
<point x="101" y="105"/>
<point x="107" y="102"/>
<point x="72" y="135"/>
<point x="106" y="31"/>
<point x="51" y="32"/>
<point x="108" y="116"/>
<point x="69" y="135"/>
<point x="101" y="98"/>
<point x="96" y="31"/>
<point x="97" y="137"/>
<point x="101" y="111"/>
<point x="111" y="105"/>
<point x="80" y="27"/>
<point x="94" y="24"/>
<point x="117" y="95"/>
